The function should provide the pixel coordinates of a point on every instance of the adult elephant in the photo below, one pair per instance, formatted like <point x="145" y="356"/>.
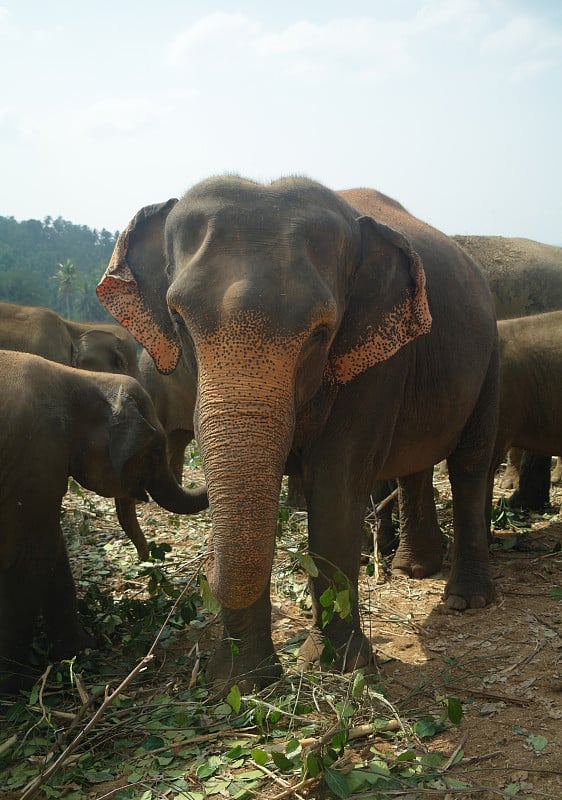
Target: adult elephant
<point x="102" y="430"/>
<point x="525" y="276"/>
<point x="530" y="387"/>
<point x="98" y="346"/>
<point x="173" y="396"/>
<point x="326" y="331"/>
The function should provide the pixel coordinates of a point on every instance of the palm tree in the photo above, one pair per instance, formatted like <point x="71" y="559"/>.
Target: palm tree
<point x="66" y="277"/>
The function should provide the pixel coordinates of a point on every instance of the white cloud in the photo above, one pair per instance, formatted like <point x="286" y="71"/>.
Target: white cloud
<point x="211" y="34"/>
<point x="116" y="115"/>
<point x="525" y="43"/>
<point x="463" y="16"/>
<point x="346" y="45"/>
<point x="522" y="34"/>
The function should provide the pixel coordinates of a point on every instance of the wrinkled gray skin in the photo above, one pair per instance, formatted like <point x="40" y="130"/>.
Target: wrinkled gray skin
<point x="97" y="346"/>
<point x="530" y="386"/>
<point x="173" y="396"/>
<point x="281" y="298"/>
<point x="525" y="278"/>
<point x="102" y="430"/>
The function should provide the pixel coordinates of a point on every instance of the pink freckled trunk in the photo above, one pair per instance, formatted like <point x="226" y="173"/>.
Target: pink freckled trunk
<point x="244" y="446"/>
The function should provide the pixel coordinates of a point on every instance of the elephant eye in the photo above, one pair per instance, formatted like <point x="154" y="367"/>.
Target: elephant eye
<point x="179" y="321"/>
<point x="120" y="363"/>
<point x="320" y="335"/>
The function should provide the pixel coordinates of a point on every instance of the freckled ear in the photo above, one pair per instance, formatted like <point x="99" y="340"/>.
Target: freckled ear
<point x="134" y="286"/>
<point x="387" y="308"/>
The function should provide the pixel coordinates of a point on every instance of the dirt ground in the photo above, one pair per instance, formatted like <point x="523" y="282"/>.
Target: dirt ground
<point x="503" y="662"/>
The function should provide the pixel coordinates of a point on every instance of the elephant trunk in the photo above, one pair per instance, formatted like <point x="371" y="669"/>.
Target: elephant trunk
<point x="244" y="435"/>
<point x="164" y="490"/>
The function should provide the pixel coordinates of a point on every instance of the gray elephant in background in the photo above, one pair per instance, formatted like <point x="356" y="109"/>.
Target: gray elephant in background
<point x="173" y="396"/>
<point x="97" y="346"/>
<point x="530" y="415"/>
<point x="525" y="278"/>
<point x="102" y="430"/>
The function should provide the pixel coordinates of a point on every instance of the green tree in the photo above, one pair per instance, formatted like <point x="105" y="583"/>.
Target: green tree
<point x="32" y="251"/>
<point x="66" y="278"/>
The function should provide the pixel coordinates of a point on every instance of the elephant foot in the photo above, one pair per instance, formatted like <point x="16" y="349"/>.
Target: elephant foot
<point x="529" y="501"/>
<point x="350" y="647"/>
<point x="68" y="644"/>
<point x="510" y="478"/>
<point x="415" y="564"/>
<point x="251" y="669"/>
<point x="466" y="589"/>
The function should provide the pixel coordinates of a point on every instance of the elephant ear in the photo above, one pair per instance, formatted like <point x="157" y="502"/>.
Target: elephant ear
<point x="129" y="432"/>
<point x="387" y="307"/>
<point x="134" y="286"/>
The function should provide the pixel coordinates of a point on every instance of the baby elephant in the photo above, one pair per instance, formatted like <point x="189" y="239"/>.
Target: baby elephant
<point x="58" y="421"/>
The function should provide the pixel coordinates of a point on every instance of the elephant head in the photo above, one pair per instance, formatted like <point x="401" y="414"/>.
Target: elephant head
<point x="261" y="288"/>
<point x="124" y="453"/>
<point x="102" y="347"/>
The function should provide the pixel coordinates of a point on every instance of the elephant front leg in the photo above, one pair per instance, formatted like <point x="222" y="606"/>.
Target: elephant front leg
<point x="335" y="524"/>
<point x="19" y="608"/>
<point x="59" y="605"/>
<point x="420" y="552"/>
<point x="127" y="516"/>
<point x="471" y="468"/>
<point x="245" y="654"/>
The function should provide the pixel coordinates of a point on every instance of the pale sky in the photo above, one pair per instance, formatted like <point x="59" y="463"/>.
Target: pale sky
<point x="453" y="107"/>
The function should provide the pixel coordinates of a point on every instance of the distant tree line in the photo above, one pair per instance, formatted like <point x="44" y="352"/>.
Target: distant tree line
<point x="54" y="263"/>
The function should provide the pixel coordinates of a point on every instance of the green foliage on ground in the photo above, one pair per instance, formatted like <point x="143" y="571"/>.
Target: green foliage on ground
<point x="134" y="719"/>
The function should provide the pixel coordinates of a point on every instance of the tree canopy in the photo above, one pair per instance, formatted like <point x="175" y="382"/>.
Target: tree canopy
<point x="54" y="263"/>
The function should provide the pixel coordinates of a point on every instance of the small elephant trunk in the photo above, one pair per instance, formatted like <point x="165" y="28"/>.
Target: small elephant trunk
<point x="244" y="443"/>
<point x="164" y="490"/>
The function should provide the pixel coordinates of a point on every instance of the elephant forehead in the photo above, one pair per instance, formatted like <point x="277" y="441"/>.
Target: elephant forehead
<point x="234" y="296"/>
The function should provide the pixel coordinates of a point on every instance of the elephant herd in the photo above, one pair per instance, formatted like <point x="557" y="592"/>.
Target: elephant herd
<point x="292" y="330"/>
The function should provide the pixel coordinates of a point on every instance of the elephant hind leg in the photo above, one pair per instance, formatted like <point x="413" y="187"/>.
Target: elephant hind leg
<point x="471" y="468"/>
<point x="420" y="552"/>
<point x="534" y="483"/>
<point x="510" y="478"/>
